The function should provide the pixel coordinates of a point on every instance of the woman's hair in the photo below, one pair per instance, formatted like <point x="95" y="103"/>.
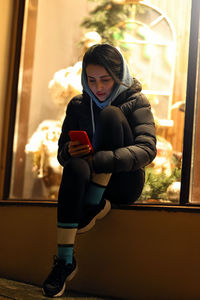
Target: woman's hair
<point x="106" y="56"/>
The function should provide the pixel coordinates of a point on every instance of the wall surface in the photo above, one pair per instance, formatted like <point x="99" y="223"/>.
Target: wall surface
<point x="130" y="254"/>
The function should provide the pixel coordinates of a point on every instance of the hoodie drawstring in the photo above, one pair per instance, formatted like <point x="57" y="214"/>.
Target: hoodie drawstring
<point x="92" y="116"/>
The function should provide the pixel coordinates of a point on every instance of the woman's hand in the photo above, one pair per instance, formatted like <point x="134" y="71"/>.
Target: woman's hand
<point x="76" y="149"/>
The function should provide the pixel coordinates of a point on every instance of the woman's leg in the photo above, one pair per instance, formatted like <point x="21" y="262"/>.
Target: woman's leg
<point x="75" y="180"/>
<point x="113" y="131"/>
<point x="76" y="176"/>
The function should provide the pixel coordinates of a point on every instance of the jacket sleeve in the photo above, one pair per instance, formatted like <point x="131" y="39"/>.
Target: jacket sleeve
<point x="68" y="124"/>
<point x="135" y="156"/>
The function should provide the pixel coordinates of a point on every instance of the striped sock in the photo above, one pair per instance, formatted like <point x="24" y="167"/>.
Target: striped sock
<point x="66" y="239"/>
<point x="94" y="194"/>
<point x="96" y="188"/>
<point x="66" y="252"/>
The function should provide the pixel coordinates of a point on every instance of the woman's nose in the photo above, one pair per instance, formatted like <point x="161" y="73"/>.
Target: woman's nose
<point x="99" y="85"/>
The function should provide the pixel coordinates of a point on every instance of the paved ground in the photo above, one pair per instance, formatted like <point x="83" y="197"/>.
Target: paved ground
<point x="20" y="291"/>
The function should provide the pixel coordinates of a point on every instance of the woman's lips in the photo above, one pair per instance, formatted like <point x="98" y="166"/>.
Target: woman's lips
<point x="100" y="94"/>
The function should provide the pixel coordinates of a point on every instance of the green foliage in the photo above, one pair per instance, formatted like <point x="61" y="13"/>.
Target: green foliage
<point x="156" y="184"/>
<point x="107" y="17"/>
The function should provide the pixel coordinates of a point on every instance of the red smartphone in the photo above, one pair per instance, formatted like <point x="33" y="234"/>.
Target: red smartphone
<point x="81" y="136"/>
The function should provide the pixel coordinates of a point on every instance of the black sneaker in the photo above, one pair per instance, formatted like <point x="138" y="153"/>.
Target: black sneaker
<point x="54" y="285"/>
<point x="93" y="213"/>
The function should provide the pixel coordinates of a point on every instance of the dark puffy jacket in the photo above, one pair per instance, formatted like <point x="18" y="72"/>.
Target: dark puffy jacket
<point x="137" y="110"/>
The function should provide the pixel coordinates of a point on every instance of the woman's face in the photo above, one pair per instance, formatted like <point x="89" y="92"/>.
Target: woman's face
<point x="99" y="81"/>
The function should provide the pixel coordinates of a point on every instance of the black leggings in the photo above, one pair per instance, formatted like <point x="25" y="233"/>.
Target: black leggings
<point x="112" y="132"/>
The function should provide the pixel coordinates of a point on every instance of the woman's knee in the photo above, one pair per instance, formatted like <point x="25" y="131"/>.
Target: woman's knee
<point x="77" y="167"/>
<point x="111" y="114"/>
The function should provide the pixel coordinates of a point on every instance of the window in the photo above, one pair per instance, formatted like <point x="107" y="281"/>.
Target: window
<point x="152" y="38"/>
<point x="194" y="168"/>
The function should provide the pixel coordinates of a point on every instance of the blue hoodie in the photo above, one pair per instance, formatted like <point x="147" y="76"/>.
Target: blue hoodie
<point x="126" y="82"/>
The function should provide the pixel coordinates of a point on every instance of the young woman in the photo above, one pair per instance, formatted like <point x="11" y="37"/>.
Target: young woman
<point x="118" y="120"/>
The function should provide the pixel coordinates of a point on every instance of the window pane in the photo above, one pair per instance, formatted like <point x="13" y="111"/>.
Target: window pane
<point x="152" y="38"/>
<point x="195" y="170"/>
<point x="51" y="37"/>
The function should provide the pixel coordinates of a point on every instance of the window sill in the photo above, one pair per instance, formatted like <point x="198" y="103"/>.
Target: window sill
<point x="139" y="206"/>
<point x="28" y="202"/>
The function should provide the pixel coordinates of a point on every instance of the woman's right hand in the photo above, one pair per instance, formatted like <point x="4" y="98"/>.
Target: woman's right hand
<point x="76" y="149"/>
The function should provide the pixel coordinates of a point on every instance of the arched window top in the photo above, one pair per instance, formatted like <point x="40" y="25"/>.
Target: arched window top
<point x="147" y="39"/>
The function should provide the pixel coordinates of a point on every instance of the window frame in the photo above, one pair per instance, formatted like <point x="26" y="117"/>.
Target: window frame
<point x="192" y="77"/>
<point x="11" y="104"/>
<point x="11" y="101"/>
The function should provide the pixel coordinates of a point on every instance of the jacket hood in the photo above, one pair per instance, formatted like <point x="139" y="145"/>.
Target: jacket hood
<point x="126" y="82"/>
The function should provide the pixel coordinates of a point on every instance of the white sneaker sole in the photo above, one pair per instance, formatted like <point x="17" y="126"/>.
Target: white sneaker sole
<point x="99" y="216"/>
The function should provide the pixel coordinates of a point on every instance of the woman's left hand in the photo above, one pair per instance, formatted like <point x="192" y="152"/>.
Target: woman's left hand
<point x="76" y="149"/>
